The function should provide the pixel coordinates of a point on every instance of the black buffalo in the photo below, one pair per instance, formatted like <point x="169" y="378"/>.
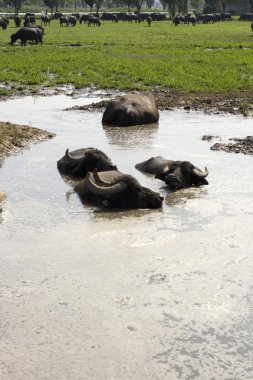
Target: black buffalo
<point x="131" y="109"/>
<point x="64" y="20"/>
<point x="252" y="26"/>
<point x="149" y="20"/>
<point x="176" y="174"/>
<point x="29" y="20"/>
<point x="3" y="24"/>
<point x="27" y="34"/>
<point x="94" y="20"/>
<point x="115" y="190"/>
<point x="78" y="163"/>
<point x="17" y="20"/>
<point x="72" y="20"/>
<point x="45" y="20"/>
<point x="84" y="18"/>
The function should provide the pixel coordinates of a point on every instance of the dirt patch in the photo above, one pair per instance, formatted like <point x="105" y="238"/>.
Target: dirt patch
<point x="244" y="146"/>
<point x="14" y="138"/>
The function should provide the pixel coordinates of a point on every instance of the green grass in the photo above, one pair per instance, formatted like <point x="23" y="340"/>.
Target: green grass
<point x="206" y="58"/>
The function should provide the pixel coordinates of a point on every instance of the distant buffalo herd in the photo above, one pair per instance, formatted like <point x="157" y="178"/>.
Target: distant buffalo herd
<point x="29" y="21"/>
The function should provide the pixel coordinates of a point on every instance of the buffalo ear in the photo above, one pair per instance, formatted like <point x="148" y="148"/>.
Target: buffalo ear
<point x="201" y="181"/>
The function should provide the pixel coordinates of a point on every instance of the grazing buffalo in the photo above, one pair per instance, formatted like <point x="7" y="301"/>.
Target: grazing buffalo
<point x="72" y="20"/>
<point x="176" y="174"/>
<point x="27" y="34"/>
<point x="77" y="15"/>
<point x="252" y="26"/>
<point x="57" y="15"/>
<point x="176" y="20"/>
<point x="132" y="17"/>
<point x="45" y="20"/>
<point x="110" y="16"/>
<point x="64" y="20"/>
<point x="17" y="20"/>
<point x="84" y="18"/>
<point x="78" y="163"/>
<point x="29" y="20"/>
<point x="94" y="20"/>
<point x="115" y="190"/>
<point x="131" y="109"/>
<point x="3" y="24"/>
<point x="149" y="20"/>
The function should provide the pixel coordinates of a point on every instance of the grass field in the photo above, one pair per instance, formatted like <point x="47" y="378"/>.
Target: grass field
<point x="205" y="58"/>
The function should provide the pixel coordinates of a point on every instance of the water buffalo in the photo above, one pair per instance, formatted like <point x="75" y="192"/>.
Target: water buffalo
<point x="64" y="20"/>
<point x="94" y="20"/>
<point x="72" y="20"/>
<point x="84" y="18"/>
<point x="78" y="163"/>
<point x="45" y="20"/>
<point x="252" y="26"/>
<point x="17" y="20"/>
<point x="131" y="109"/>
<point x="27" y="34"/>
<point x="149" y="20"/>
<point x="29" y="20"/>
<point x="176" y="174"/>
<point x="115" y="190"/>
<point x="132" y="17"/>
<point x="3" y="24"/>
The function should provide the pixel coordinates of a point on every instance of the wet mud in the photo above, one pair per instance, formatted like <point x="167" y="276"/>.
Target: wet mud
<point x="244" y="146"/>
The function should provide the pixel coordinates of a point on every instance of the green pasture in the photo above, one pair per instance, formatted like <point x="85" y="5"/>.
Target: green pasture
<point x="205" y="58"/>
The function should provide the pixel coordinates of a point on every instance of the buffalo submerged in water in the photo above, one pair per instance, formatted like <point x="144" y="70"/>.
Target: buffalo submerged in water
<point x="115" y="190"/>
<point x="176" y="174"/>
<point x="77" y="163"/>
<point x="131" y="109"/>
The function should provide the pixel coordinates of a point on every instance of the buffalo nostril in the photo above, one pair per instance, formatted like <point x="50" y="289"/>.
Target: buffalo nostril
<point x="170" y="176"/>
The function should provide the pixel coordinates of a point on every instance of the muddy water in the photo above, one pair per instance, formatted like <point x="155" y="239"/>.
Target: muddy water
<point x="164" y="294"/>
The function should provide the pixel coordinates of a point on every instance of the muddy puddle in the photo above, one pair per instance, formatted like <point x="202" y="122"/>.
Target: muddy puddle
<point x="162" y="294"/>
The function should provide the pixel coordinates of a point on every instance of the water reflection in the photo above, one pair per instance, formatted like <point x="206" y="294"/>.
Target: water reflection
<point x="180" y="197"/>
<point x="140" y="135"/>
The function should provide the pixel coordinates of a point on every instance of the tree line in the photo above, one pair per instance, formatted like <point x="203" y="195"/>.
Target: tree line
<point x="172" y="6"/>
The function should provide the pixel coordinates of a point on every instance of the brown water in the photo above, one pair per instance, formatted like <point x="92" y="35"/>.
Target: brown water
<point x="164" y="294"/>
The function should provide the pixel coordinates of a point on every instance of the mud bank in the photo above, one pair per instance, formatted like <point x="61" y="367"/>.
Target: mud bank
<point x="14" y="138"/>
<point x="213" y="103"/>
<point x="244" y="146"/>
<point x="236" y="104"/>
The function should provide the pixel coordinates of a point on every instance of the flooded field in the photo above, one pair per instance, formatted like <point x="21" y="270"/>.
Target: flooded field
<point x="144" y="294"/>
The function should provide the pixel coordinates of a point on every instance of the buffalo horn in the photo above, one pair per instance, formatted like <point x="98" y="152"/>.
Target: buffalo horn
<point x="100" y="180"/>
<point x="67" y="153"/>
<point x="102" y="190"/>
<point x="199" y="173"/>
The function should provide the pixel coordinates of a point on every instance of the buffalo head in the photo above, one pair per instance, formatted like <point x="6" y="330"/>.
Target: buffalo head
<point x="183" y="174"/>
<point x="113" y="189"/>
<point x="78" y="163"/>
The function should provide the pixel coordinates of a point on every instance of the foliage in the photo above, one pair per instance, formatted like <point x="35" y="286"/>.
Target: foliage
<point x="17" y="5"/>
